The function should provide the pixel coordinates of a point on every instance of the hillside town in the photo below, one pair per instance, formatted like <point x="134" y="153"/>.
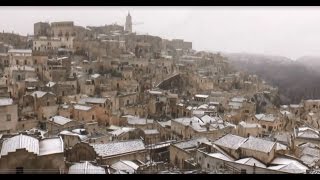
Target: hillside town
<point x="108" y="100"/>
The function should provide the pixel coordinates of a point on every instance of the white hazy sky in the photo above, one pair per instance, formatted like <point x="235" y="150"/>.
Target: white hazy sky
<point x="285" y="31"/>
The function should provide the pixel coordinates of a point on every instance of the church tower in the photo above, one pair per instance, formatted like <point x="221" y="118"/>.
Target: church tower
<point x="128" y="26"/>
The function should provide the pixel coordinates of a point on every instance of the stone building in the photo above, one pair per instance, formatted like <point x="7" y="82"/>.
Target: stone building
<point x="20" y="57"/>
<point x="86" y="168"/>
<point x="108" y="153"/>
<point x="57" y="124"/>
<point x="182" y="151"/>
<point x="25" y="154"/>
<point x="8" y="116"/>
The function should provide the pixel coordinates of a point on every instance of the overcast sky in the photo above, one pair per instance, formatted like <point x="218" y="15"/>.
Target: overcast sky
<point x="285" y="31"/>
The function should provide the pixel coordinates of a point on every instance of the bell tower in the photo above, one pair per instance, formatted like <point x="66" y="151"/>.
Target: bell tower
<point x="128" y="26"/>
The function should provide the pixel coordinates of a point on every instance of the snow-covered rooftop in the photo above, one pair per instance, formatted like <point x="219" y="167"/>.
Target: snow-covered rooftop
<point x="238" y="99"/>
<point x="191" y="143"/>
<point x="81" y="107"/>
<point x="28" y="143"/>
<point x="251" y="161"/>
<point x="95" y="75"/>
<point x="230" y="141"/>
<point x="155" y="92"/>
<point x="6" y="101"/>
<point x="117" y="148"/>
<point x="92" y="100"/>
<point x="201" y="96"/>
<point x="139" y="121"/>
<point x="126" y="166"/>
<point x="40" y="93"/>
<point x="150" y="131"/>
<point x="165" y="123"/>
<point x="258" y="144"/>
<point x="288" y="165"/>
<point x="249" y="125"/>
<point x="220" y="156"/>
<point x="266" y="117"/>
<point x="60" y="120"/>
<point x="51" y="146"/>
<point x="86" y="168"/>
<point x="122" y="130"/>
<point x="50" y="84"/>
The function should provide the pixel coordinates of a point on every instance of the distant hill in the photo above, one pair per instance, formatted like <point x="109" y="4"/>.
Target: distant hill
<point x="295" y="80"/>
<point x="311" y="62"/>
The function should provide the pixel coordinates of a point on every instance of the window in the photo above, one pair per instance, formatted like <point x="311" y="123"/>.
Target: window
<point x="8" y="117"/>
<point x="264" y="127"/>
<point x="48" y="103"/>
<point x="208" y="165"/>
<point x="92" y="117"/>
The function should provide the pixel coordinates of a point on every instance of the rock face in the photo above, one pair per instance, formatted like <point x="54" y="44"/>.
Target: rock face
<point x="295" y="80"/>
<point x="266" y="100"/>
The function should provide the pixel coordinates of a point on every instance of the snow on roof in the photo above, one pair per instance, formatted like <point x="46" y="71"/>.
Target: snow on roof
<point x="284" y="106"/>
<point x="295" y="105"/>
<point x="288" y="165"/>
<point x="198" y="112"/>
<point x="27" y="51"/>
<point x="139" y="121"/>
<point x="201" y="96"/>
<point x="86" y="168"/>
<point x="266" y="117"/>
<point x="92" y="100"/>
<point x="113" y="127"/>
<point x="31" y="80"/>
<point x="117" y="148"/>
<point x="203" y="106"/>
<point x="191" y="143"/>
<point x="122" y="130"/>
<point x="220" y="156"/>
<point x="258" y="144"/>
<point x="165" y="123"/>
<point x="60" y="120"/>
<point x="126" y="166"/>
<point x="29" y="143"/>
<point x="50" y="84"/>
<point x="39" y="93"/>
<point x="78" y="131"/>
<point x="151" y="131"/>
<point x="95" y="75"/>
<point x="238" y="99"/>
<point x="5" y="101"/>
<point x="189" y="108"/>
<point x="68" y="133"/>
<point x="235" y="105"/>
<point x="155" y="92"/>
<point x="285" y="112"/>
<point x="81" y="107"/>
<point x="281" y="147"/>
<point x="249" y="125"/>
<point x="230" y="141"/>
<point x="51" y="146"/>
<point x="251" y="162"/>
<point x="307" y="132"/>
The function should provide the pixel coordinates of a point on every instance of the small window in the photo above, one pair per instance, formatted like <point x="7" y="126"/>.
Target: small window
<point x="92" y="117"/>
<point x="8" y="117"/>
<point x="208" y="165"/>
